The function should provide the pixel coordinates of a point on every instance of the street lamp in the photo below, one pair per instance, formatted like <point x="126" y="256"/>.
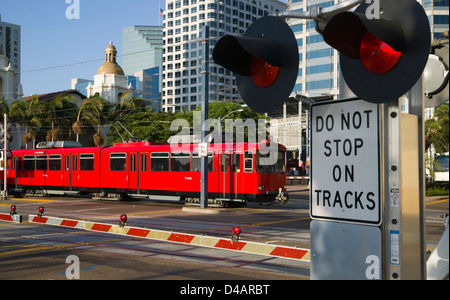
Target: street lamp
<point x="220" y="119"/>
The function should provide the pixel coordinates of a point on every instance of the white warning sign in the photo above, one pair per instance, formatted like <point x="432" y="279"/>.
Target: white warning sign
<point x="346" y="162"/>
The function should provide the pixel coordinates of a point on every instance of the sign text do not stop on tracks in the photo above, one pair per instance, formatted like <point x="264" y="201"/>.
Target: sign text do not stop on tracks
<point x="345" y="162"/>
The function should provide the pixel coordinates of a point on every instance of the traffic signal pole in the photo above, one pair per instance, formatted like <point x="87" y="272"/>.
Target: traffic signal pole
<point x="5" y="158"/>
<point x="416" y="107"/>
<point x="204" y="117"/>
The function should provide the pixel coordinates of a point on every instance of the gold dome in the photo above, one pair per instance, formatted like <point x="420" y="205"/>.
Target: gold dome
<point x="110" y="66"/>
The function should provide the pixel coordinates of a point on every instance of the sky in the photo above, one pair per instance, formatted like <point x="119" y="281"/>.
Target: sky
<point x="57" y="48"/>
<point x="50" y="39"/>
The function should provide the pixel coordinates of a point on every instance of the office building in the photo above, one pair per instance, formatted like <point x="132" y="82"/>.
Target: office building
<point x="142" y="48"/>
<point x="10" y="44"/>
<point x="142" y="56"/>
<point x="182" y="59"/>
<point x="146" y="85"/>
<point x="80" y="85"/>
<point x="437" y="12"/>
<point x="10" y="87"/>
<point x="318" y="74"/>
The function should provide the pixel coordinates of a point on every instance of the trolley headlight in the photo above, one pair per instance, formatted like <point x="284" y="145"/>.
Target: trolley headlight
<point x="261" y="188"/>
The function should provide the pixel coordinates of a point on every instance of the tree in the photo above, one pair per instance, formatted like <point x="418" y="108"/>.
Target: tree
<point x="437" y="130"/>
<point x="146" y="125"/>
<point x="26" y="113"/>
<point x="57" y="112"/>
<point x="230" y="110"/>
<point x="90" y="112"/>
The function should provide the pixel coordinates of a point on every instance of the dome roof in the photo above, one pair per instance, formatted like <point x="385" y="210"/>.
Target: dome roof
<point x="110" y="66"/>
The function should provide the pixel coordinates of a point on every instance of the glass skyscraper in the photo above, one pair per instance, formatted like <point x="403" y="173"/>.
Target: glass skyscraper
<point x="142" y="53"/>
<point x="318" y="74"/>
<point x="182" y="59"/>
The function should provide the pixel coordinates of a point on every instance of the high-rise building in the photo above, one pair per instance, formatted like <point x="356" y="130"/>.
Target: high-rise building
<point x="318" y="74"/>
<point x="10" y="87"/>
<point x="437" y="12"/>
<point x="142" y="56"/>
<point x="182" y="59"/>
<point x="146" y="85"/>
<point x="10" y="44"/>
<point x="142" y="48"/>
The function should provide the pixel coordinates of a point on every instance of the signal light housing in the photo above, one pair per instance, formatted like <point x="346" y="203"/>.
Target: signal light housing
<point x="123" y="220"/>
<point x="13" y="210"/>
<point x="40" y="211"/>
<point x="381" y="59"/>
<point x="236" y="233"/>
<point x="265" y="62"/>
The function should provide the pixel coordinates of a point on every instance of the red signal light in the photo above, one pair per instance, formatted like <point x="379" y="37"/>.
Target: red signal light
<point x="13" y="210"/>
<point x="123" y="220"/>
<point x="236" y="233"/>
<point x="236" y="230"/>
<point x="40" y="211"/>
<point x="263" y="74"/>
<point x="377" y="56"/>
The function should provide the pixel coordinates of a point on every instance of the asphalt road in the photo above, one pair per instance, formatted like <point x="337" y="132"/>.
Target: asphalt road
<point x="30" y="251"/>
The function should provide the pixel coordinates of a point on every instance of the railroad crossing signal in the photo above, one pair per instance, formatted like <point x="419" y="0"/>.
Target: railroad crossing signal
<point x="436" y="75"/>
<point x="381" y="58"/>
<point x="265" y="61"/>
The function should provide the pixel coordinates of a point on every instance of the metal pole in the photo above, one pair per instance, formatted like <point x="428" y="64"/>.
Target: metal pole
<point x="300" y="132"/>
<point x="205" y="102"/>
<point x="5" y="159"/>
<point x="392" y="191"/>
<point x="416" y="107"/>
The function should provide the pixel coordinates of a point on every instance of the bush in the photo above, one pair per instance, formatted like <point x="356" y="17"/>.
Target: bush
<point x="436" y="189"/>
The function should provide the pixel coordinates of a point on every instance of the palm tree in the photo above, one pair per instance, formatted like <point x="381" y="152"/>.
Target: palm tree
<point x="57" y="111"/>
<point x="4" y="108"/>
<point x="437" y="130"/>
<point x="93" y="110"/>
<point x="26" y="113"/>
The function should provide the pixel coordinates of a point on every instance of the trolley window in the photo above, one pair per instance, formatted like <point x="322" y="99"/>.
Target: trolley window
<point x="248" y="161"/>
<point x="28" y="163"/>
<point x="41" y="162"/>
<point x="159" y="162"/>
<point x="236" y="162"/>
<point x="54" y="162"/>
<point x="224" y="162"/>
<point x="270" y="162"/>
<point x="143" y="162"/>
<point x="75" y="163"/>
<point x="87" y="162"/>
<point x="196" y="162"/>
<point x="12" y="163"/>
<point x="133" y="162"/>
<point x="118" y="161"/>
<point x="180" y="162"/>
